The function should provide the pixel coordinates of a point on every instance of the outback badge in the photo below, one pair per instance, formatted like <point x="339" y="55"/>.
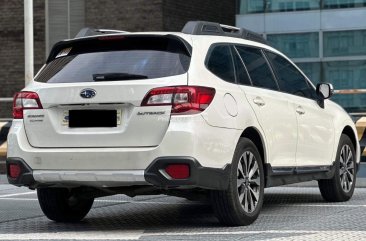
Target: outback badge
<point x="88" y="93"/>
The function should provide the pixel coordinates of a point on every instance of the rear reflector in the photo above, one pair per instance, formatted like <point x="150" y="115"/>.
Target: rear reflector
<point x="178" y="171"/>
<point x="183" y="99"/>
<point x="25" y="101"/>
<point x="14" y="170"/>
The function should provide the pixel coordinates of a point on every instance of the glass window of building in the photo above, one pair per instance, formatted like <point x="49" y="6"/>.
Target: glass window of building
<point x="291" y="5"/>
<point x="311" y="70"/>
<point x="344" y="43"/>
<point x="349" y="102"/>
<point x="299" y="45"/>
<point x="260" y="6"/>
<point x="328" y="4"/>
<point x="64" y="19"/>
<point x="347" y="75"/>
<point x="251" y="6"/>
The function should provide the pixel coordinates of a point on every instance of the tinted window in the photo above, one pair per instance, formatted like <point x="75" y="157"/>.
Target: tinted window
<point x="258" y="68"/>
<point x="241" y="73"/>
<point x="220" y="63"/>
<point x="124" y="58"/>
<point x="296" y="45"/>
<point x="289" y="78"/>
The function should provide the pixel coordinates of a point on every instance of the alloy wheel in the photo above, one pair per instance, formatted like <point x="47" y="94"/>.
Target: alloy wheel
<point x="346" y="168"/>
<point x="248" y="182"/>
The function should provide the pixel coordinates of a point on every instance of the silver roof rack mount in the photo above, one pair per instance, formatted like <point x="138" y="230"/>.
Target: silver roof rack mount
<point x="85" y="32"/>
<point x="211" y="28"/>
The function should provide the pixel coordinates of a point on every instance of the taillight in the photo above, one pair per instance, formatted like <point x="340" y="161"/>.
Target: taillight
<point x="183" y="99"/>
<point x="25" y="101"/>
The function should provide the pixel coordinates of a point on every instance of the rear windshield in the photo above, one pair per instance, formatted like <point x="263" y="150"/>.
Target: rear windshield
<point x="116" y="58"/>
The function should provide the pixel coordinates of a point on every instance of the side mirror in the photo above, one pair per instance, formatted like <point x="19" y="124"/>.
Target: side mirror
<point x="324" y="90"/>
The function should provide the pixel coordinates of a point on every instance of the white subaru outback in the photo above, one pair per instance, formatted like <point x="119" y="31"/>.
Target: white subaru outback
<point x="212" y="111"/>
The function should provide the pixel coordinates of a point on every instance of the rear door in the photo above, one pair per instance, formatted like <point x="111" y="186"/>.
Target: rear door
<point x="91" y="91"/>
<point x="273" y="111"/>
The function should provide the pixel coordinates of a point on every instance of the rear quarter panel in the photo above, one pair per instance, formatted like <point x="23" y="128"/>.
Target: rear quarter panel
<point x="222" y="112"/>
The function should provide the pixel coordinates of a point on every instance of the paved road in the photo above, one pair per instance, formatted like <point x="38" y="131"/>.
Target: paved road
<point x="289" y="213"/>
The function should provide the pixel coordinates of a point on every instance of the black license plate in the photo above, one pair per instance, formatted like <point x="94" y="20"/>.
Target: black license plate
<point x="92" y="118"/>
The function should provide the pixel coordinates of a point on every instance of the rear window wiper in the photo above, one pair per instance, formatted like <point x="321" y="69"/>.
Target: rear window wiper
<point x="117" y="76"/>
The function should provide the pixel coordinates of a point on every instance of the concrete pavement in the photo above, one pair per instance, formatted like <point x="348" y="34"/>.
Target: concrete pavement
<point x="289" y="213"/>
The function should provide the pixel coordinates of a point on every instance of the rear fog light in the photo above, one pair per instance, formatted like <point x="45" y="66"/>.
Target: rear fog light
<point x="178" y="171"/>
<point x="14" y="170"/>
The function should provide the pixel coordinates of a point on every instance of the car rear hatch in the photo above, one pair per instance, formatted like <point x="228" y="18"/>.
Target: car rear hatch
<point x="91" y="91"/>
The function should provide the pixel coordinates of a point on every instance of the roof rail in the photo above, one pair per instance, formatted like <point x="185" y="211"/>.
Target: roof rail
<point x="92" y="31"/>
<point x="211" y="28"/>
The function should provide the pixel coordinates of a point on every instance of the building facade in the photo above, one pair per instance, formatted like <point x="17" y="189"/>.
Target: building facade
<point x="55" y="20"/>
<point x="326" y="38"/>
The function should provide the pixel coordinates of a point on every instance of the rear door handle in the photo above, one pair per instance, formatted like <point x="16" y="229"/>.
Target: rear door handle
<point x="300" y="110"/>
<point x="259" y="101"/>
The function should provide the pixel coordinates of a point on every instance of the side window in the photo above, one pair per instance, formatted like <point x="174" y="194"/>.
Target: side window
<point x="257" y="66"/>
<point x="241" y="73"/>
<point x="220" y="63"/>
<point x="289" y="78"/>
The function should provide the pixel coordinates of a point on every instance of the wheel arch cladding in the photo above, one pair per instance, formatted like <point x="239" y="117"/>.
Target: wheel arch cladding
<point x="253" y="134"/>
<point x="347" y="130"/>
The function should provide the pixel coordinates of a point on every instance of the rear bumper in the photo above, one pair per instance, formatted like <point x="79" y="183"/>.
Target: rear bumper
<point x="186" y="136"/>
<point x="200" y="177"/>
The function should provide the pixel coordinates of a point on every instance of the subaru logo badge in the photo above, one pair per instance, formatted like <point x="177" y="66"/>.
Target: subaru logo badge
<point x="88" y="93"/>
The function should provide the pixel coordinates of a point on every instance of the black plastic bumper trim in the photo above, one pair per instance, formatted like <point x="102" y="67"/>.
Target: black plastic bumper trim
<point x="202" y="177"/>
<point x="26" y="176"/>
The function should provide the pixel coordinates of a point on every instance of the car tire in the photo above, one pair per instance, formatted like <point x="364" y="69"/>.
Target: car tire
<point x="241" y="203"/>
<point x="341" y="186"/>
<point x="59" y="205"/>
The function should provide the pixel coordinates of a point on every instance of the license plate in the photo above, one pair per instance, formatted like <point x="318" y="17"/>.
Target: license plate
<point x="92" y="118"/>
